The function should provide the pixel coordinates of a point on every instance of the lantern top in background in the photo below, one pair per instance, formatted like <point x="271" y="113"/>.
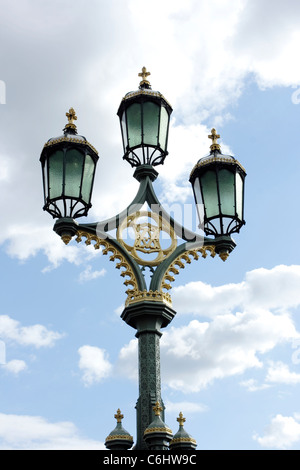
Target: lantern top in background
<point x="144" y="118"/>
<point x="218" y="185"/>
<point x="70" y="134"/>
<point x="68" y="165"/>
<point x="216" y="155"/>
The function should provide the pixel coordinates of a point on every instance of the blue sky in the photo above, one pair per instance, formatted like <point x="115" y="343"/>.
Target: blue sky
<point x="231" y="356"/>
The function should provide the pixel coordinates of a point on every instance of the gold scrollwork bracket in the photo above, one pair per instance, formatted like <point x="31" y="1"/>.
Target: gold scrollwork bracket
<point x="182" y="260"/>
<point x="127" y="272"/>
<point x="154" y="296"/>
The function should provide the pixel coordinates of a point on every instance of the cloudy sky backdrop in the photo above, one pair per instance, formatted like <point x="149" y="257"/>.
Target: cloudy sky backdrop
<point x="231" y="357"/>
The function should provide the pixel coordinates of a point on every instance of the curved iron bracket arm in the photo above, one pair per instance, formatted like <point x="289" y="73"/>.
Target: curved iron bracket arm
<point x="169" y="261"/>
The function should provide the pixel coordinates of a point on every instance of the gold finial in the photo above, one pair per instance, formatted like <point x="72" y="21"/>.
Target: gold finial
<point x="181" y="419"/>
<point x="214" y="136"/>
<point x="71" y="115"/>
<point x="144" y="74"/>
<point x="66" y="238"/>
<point x="119" y="416"/>
<point x="157" y="409"/>
<point x="224" y="255"/>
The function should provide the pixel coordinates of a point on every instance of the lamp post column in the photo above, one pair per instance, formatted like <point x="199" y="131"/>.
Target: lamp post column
<point x="148" y="317"/>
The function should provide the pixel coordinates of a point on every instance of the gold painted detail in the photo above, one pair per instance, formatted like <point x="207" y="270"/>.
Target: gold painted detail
<point x="116" y="255"/>
<point x="154" y="296"/>
<point x="224" y="255"/>
<point x="181" y="261"/>
<point x="145" y="91"/>
<point x="157" y="409"/>
<point x="183" y="439"/>
<point x="144" y="74"/>
<point x="69" y="139"/>
<point x="127" y="437"/>
<point x="214" y="136"/>
<point x="181" y="420"/>
<point x="71" y="115"/>
<point x="119" y="416"/>
<point x="146" y="237"/>
<point x="221" y="159"/>
<point x="66" y="239"/>
<point x="158" y="429"/>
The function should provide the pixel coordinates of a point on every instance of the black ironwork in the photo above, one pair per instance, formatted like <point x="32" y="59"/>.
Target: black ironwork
<point x="218" y="186"/>
<point x="68" y="168"/>
<point x="144" y="119"/>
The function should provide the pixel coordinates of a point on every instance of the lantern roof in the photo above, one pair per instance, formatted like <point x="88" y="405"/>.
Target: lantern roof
<point x="119" y="438"/>
<point x="182" y="437"/>
<point x="70" y="134"/>
<point x="157" y="426"/>
<point x="144" y="89"/>
<point x="215" y="155"/>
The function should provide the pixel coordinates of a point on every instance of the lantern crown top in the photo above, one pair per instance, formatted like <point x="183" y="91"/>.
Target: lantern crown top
<point x="144" y="83"/>
<point x="157" y="409"/>
<point x="181" y="420"/>
<point x="119" y="416"/>
<point x="71" y="127"/>
<point x="70" y="134"/>
<point x="214" y="136"/>
<point x="144" y="89"/>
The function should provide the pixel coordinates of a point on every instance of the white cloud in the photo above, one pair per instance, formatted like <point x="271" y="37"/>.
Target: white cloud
<point x="199" y="353"/>
<point x="186" y="407"/>
<point x="282" y="433"/>
<point x="94" y="364"/>
<point x="252" y="385"/>
<point x="88" y="274"/>
<point x="275" y="289"/>
<point x="34" y="335"/>
<point x="279" y="372"/>
<point x="15" y="366"/>
<point x="128" y="360"/>
<point x="21" y="432"/>
<point x="247" y="320"/>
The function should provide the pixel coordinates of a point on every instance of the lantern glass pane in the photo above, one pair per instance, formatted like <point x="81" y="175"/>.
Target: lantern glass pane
<point x="198" y="200"/>
<point x="124" y="130"/>
<point x="210" y="193"/>
<point x="227" y="196"/>
<point x="73" y="176"/>
<point x="164" y="120"/>
<point x="87" y="181"/>
<point x="134" y="124"/>
<point x="239" y="195"/>
<point x="150" y="122"/>
<point x="56" y="174"/>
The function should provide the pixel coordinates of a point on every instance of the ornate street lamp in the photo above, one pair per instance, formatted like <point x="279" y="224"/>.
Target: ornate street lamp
<point x="69" y="164"/>
<point x="144" y="117"/>
<point x="218" y="185"/>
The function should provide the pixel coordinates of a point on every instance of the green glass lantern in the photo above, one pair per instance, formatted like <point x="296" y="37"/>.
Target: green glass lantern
<point x="218" y="186"/>
<point x="144" y="118"/>
<point x="68" y="168"/>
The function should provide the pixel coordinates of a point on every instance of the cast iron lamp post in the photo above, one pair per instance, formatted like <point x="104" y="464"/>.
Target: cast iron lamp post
<point x="68" y="167"/>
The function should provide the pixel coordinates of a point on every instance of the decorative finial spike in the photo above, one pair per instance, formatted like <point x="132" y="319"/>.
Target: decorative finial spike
<point x="224" y="255"/>
<point x="66" y="238"/>
<point x="214" y="136"/>
<point x="144" y="74"/>
<point x="181" y="420"/>
<point x="157" y="409"/>
<point x="71" y="115"/>
<point x="119" y="416"/>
